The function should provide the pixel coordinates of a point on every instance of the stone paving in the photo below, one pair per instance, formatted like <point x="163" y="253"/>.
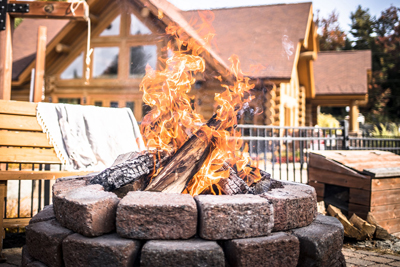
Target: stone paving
<point x="354" y="258"/>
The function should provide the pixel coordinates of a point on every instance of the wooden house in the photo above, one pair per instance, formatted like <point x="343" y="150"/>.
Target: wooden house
<point x="276" y="44"/>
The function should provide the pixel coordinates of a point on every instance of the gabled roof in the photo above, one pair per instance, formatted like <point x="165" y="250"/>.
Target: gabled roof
<point x="266" y="35"/>
<point x="342" y="72"/>
<point x="25" y="39"/>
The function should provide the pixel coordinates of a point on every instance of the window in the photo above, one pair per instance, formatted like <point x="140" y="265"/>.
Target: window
<point x="131" y="105"/>
<point x="137" y="27"/>
<point x="140" y="56"/>
<point x="113" y="28"/>
<point x="114" y="104"/>
<point x="105" y="62"/>
<point x="98" y="103"/>
<point x="70" y="101"/>
<point x="74" y="70"/>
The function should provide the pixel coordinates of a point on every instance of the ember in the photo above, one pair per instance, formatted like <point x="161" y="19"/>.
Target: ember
<point x="203" y="157"/>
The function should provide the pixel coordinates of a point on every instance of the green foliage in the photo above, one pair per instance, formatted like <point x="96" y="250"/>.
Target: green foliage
<point x="17" y="21"/>
<point x="390" y="130"/>
<point x="332" y="37"/>
<point x="382" y="36"/>
<point x="327" y="120"/>
<point x="362" y="28"/>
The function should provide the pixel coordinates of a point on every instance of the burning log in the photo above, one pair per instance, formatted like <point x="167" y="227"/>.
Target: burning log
<point x="185" y="163"/>
<point x="131" y="167"/>
<point x="233" y="185"/>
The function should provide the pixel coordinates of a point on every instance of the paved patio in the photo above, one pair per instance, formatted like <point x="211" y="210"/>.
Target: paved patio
<point x="354" y="258"/>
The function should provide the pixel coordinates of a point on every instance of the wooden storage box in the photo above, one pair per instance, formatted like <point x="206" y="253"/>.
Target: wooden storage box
<point x="359" y="182"/>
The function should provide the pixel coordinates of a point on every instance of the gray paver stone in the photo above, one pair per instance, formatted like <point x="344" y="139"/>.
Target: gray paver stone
<point x="25" y="257"/>
<point x="228" y="217"/>
<point x="295" y="205"/>
<point x="106" y="250"/>
<point x="155" y="215"/>
<point x="320" y="243"/>
<point x="44" y="242"/>
<point x="188" y="253"/>
<point x="276" y="249"/>
<point x="36" y="264"/>
<point x="44" y="215"/>
<point x="87" y="210"/>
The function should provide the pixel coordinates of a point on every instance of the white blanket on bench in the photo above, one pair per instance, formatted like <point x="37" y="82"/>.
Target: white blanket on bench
<point x="88" y="137"/>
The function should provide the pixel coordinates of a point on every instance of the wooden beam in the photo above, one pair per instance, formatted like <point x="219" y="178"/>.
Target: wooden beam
<point x="19" y="123"/>
<point x="62" y="48"/>
<point x="6" y="60"/>
<point x="28" y="155"/>
<point x="40" y="61"/>
<point x="17" y="108"/>
<point x="54" y="10"/>
<point x="38" y="175"/>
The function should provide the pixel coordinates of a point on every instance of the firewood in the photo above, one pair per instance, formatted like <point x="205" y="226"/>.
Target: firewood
<point x="321" y="207"/>
<point x="185" y="163"/>
<point x="380" y="232"/>
<point x="349" y="229"/>
<point x="233" y="185"/>
<point x="362" y="225"/>
<point x="131" y="167"/>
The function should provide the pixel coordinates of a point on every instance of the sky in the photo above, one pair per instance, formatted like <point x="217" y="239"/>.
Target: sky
<point x="343" y="7"/>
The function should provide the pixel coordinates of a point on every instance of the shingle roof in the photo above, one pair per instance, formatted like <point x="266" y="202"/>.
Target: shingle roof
<point x="266" y="35"/>
<point x="342" y="72"/>
<point x="25" y="38"/>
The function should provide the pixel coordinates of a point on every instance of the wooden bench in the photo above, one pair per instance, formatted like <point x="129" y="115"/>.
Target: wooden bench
<point x="23" y="142"/>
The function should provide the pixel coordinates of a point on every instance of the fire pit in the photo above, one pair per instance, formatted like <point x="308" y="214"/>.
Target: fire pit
<point x="87" y="226"/>
<point x="193" y="198"/>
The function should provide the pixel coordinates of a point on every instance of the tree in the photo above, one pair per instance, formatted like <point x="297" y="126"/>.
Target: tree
<point x="382" y="36"/>
<point x="331" y="37"/>
<point x="362" y="29"/>
<point x="387" y="29"/>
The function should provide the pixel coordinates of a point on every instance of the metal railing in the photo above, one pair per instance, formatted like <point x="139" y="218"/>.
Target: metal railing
<point x="284" y="151"/>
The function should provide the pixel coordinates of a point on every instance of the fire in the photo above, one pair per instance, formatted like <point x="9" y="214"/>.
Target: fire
<point x="172" y="120"/>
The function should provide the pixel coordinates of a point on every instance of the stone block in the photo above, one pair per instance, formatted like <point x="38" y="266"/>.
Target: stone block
<point x="44" y="242"/>
<point x="60" y="188"/>
<point x="321" y="243"/>
<point x="171" y="253"/>
<point x="87" y="210"/>
<point x="46" y="214"/>
<point x="36" y="264"/>
<point x="295" y="205"/>
<point x="106" y="250"/>
<point x="25" y="257"/>
<point x="276" y="249"/>
<point x="154" y="215"/>
<point x="228" y="217"/>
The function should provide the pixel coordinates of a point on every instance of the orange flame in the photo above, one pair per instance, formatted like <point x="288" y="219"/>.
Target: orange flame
<point x="172" y="120"/>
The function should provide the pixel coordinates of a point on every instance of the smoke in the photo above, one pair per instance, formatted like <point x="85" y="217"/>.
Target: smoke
<point x="288" y="46"/>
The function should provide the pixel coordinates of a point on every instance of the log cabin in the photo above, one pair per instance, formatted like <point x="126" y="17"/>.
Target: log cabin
<point x="277" y="46"/>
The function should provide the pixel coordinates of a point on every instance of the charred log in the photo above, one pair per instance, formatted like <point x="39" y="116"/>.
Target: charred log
<point x="233" y="185"/>
<point x="185" y="163"/>
<point x="131" y="167"/>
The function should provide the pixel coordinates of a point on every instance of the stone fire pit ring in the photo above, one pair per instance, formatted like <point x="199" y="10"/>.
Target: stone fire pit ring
<point x="161" y="229"/>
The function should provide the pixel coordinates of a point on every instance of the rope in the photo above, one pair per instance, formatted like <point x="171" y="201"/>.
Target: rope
<point x="89" y="51"/>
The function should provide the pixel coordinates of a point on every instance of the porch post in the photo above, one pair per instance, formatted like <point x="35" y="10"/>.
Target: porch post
<point x="353" y="116"/>
<point x="6" y="59"/>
